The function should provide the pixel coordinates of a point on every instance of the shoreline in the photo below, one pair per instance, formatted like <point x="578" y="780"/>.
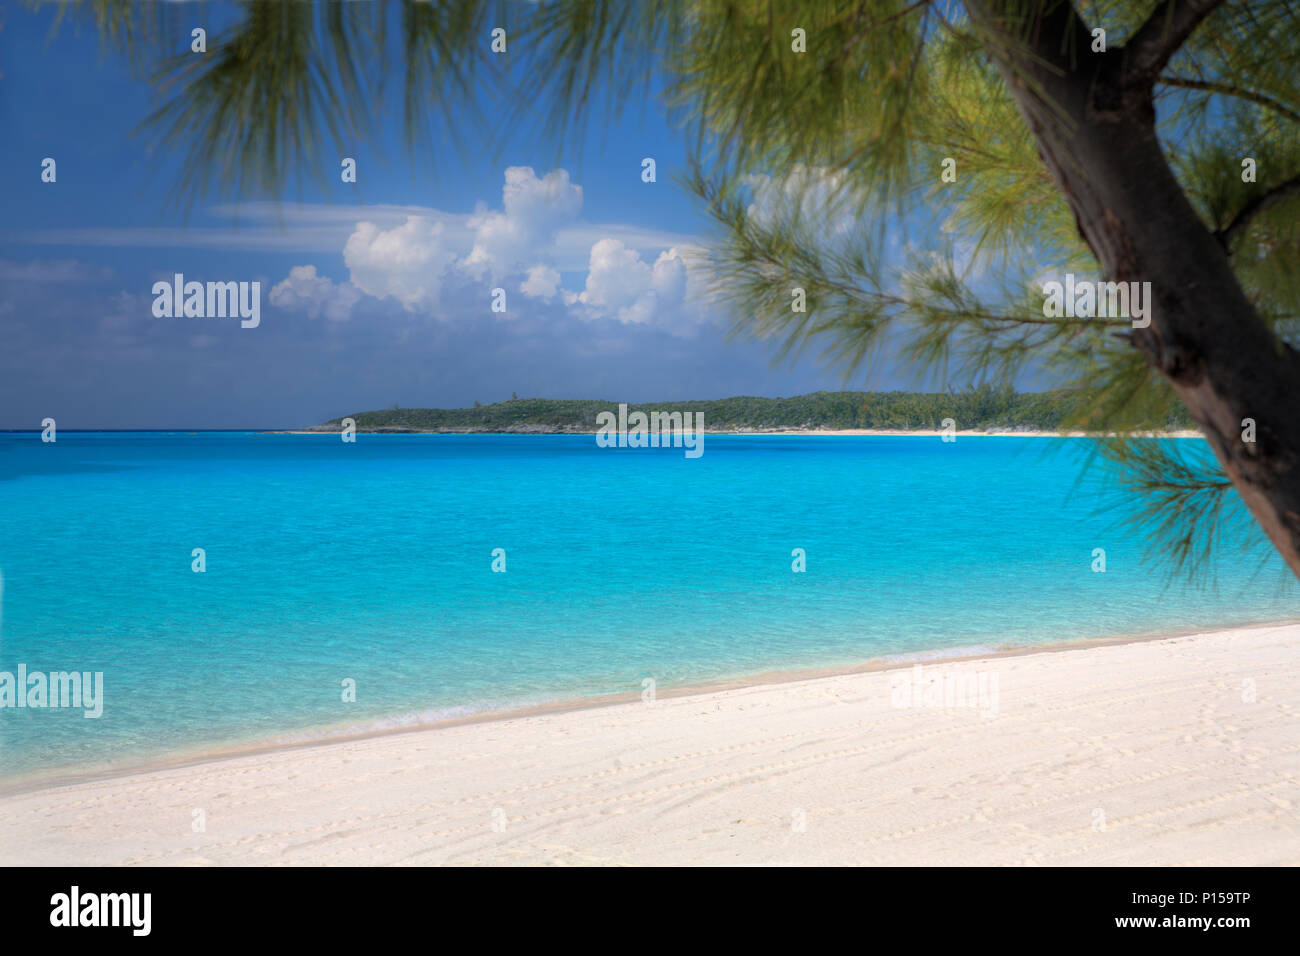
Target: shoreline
<point x="359" y="732"/>
<point x="772" y="433"/>
<point x="1167" y="751"/>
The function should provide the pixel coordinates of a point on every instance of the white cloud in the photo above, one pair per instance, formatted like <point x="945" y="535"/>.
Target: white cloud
<point x="308" y="228"/>
<point x="542" y="282"/>
<point x="534" y="211"/>
<point x="573" y="242"/>
<point x="634" y="276"/>
<point x="816" y="194"/>
<point x="315" y="294"/>
<point x="623" y="286"/>
<point x="406" y="262"/>
<point x="410" y="262"/>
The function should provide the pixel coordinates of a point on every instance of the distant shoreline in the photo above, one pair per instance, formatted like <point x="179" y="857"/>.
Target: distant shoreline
<point x="775" y="432"/>
<point x="717" y="433"/>
<point x="996" y="412"/>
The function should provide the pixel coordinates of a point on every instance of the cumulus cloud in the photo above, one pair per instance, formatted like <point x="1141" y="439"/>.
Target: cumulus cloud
<point x="534" y="210"/>
<point x="406" y="262"/>
<point x="541" y="282"/>
<point x="314" y="294"/>
<point x="430" y="264"/>
<point x="621" y="285"/>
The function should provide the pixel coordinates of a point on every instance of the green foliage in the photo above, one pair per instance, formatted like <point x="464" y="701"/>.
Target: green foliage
<point x="987" y="408"/>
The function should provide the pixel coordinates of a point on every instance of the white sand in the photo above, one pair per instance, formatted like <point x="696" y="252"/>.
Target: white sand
<point x="1160" y="741"/>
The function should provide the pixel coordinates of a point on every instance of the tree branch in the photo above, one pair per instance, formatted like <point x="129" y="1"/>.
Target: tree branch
<point x="862" y="32"/>
<point x="1255" y="207"/>
<point x="1049" y="41"/>
<point x="1150" y="48"/>
<point x="1187" y="83"/>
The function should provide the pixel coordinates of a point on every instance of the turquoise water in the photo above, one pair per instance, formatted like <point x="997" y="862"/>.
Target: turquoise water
<point x="372" y="561"/>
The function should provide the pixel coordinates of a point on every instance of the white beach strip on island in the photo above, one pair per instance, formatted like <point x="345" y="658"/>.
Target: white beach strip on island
<point x="1180" y="750"/>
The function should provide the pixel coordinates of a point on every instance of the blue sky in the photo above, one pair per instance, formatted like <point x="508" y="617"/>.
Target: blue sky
<point x="372" y="294"/>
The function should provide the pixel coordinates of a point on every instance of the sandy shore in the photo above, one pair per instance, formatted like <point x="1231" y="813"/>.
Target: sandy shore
<point x="1176" y="751"/>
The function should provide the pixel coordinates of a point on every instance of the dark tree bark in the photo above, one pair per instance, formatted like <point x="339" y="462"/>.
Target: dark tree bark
<point x="1093" y="117"/>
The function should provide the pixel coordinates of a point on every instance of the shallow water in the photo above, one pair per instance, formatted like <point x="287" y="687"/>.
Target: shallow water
<point x="328" y="561"/>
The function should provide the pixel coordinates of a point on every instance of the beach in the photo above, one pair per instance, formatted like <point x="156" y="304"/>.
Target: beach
<point x="1171" y="751"/>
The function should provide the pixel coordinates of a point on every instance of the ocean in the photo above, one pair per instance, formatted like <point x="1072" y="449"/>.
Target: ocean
<point x="350" y="587"/>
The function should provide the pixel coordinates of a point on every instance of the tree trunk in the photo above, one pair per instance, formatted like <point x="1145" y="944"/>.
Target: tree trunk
<point x="1094" y="123"/>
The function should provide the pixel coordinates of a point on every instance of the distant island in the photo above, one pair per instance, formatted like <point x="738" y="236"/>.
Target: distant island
<point x="985" y="409"/>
